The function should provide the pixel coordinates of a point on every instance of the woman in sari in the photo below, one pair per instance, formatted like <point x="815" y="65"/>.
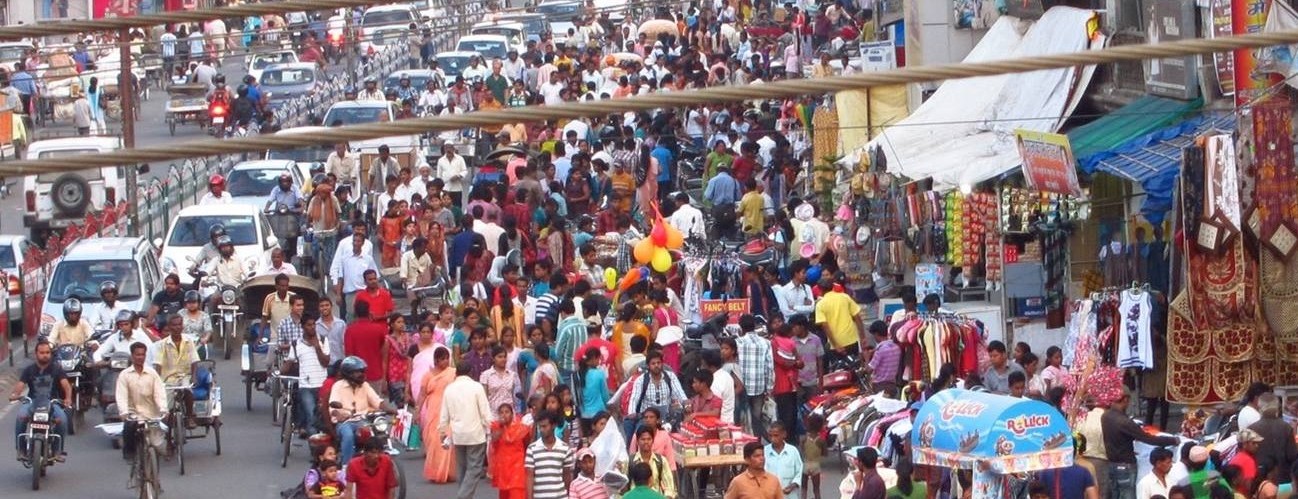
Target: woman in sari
<point x="509" y="440"/>
<point x="439" y="462"/>
<point x="628" y="325"/>
<point x="508" y="314"/>
<point x="422" y="353"/>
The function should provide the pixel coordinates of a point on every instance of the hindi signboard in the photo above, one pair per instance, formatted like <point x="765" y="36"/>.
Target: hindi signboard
<point x="1048" y="163"/>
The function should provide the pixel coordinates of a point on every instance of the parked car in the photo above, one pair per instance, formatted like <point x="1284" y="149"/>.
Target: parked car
<point x="13" y="250"/>
<point x="246" y="226"/>
<point x="12" y="52"/>
<point x="534" y="24"/>
<point x="250" y="182"/>
<point x="513" y="30"/>
<point x="285" y="82"/>
<point x="56" y="200"/>
<point x="490" y="46"/>
<point x="131" y="262"/>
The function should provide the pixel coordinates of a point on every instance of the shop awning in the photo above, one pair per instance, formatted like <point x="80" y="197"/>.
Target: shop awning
<point x="1154" y="160"/>
<point x="1142" y="116"/>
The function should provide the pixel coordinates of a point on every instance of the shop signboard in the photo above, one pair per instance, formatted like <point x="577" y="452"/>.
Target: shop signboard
<point x="736" y="307"/>
<point x="1249" y="16"/>
<point x="1178" y="77"/>
<point x="1223" y="62"/>
<point x="1048" y="163"/>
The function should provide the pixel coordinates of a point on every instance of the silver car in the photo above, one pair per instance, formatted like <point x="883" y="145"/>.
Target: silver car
<point x="13" y="250"/>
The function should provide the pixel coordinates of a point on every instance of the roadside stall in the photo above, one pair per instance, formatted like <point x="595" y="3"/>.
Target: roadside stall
<point x="994" y="436"/>
<point x="708" y="445"/>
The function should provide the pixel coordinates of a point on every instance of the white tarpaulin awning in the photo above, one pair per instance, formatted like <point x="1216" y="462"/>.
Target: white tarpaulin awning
<point x="964" y="133"/>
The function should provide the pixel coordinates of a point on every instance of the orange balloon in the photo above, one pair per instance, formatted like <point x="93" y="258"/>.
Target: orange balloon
<point x="675" y="239"/>
<point x="630" y="279"/>
<point x="644" y="251"/>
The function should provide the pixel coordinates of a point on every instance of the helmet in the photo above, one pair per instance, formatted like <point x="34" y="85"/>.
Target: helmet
<point x="218" y="80"/>
<point x="224" y="240"/>
<point x="390" y="94"/>
<point x="192" y="296"/>
<point x="350" y="91"/>
<point x="215" y="180"/>
<point x="71" y="306"/>
<point x="242" y="90"/>
<point x="332" y="370"/>
<point x="216" y="231"/>
<point x="125" y="316"/>
<point x="107" y="286"/>
<point x="249" y="79"/>
<point x="286" y="176"/>
<point x="350" y="366"/>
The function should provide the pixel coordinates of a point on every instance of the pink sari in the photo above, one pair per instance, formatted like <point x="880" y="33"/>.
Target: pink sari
<point x="439" y="463"/>
<point x="422" y="363"/>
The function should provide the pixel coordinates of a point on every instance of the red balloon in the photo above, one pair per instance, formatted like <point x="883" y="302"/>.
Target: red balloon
<point x="659" y="234"/>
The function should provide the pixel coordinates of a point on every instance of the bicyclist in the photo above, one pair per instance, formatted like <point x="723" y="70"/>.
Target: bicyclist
<point x="173" y="358"/>
<point x="140" y="395"/>
<point x="106" y="315"/>
<point x="72" y="330"/>
<point x="356" y="397"/>
<point x="48" y="383"/>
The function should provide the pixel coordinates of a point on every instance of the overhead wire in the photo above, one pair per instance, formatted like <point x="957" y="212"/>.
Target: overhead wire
<point x="778" y="89"/>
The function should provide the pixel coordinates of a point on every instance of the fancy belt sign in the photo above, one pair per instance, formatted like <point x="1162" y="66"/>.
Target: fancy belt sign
<point x="735" y="307"/>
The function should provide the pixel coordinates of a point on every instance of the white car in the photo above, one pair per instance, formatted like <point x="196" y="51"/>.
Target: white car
<point x="13" y="251"/>
<point x="515" y="31"/>
<point x="251" y="182"/>
<point x="386" y="24"/>
<point x="247" y="227"/>
<point x="54" y="201"/>
<point x="490" y="46"/>
<point x="130" y="262"/>
<point x="259" y="61"/>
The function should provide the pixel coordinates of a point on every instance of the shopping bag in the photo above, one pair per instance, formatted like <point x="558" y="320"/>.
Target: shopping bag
<point x="401" y="427"/>
<point x="416" y="439"/>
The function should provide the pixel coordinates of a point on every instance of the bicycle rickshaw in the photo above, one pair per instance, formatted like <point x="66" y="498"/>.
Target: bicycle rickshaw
<point x="254" y="365"/>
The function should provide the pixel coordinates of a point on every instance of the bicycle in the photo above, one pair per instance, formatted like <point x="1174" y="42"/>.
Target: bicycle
<point x="144" y="469"/>
<point x="288" y="385"/>
<point x="176" y="435"/>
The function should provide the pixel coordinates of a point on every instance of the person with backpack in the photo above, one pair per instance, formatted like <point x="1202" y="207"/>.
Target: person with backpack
<point x="661" y="479"/>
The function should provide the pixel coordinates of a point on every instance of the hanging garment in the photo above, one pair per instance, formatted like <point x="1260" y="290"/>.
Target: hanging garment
<point x="1135" y="346"/>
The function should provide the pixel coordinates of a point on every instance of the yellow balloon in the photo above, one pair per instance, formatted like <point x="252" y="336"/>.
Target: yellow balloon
<point x="644" y="250"/>
<point x="662" y="260"/>
<point x="675" y="239"/>
<point x="610" y="278"/>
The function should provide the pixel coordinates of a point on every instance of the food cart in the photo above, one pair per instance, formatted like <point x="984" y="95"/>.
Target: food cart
<point x="704" y="445"/>
<point x="992" y="435"/>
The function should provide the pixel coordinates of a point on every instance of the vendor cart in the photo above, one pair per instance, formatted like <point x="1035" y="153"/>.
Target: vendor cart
<point x="186" y="104"/>
<point x="722" y="466"/>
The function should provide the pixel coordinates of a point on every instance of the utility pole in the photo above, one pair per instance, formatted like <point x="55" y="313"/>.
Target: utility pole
<point x="351" y="41"/>
<point x="126" y="95"/>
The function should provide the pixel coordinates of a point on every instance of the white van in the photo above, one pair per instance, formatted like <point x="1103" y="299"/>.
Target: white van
<point x="56" y="200"/>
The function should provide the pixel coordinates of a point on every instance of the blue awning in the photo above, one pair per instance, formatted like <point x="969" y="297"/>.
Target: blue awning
<point x="1154" y="160"/>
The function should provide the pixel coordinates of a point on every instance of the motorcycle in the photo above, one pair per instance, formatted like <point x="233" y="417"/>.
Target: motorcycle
<point x="75" y="360"/>
<point x="377" y="426"/>
<point x="38" y="441"/>
<point x="116" y="363"/>
<point x="218" y="112"/>
<point x="229" y="308"/>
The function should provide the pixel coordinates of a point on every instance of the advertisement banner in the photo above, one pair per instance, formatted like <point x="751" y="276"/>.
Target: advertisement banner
<point x="736" y="308"/>
<point x="1048" y="163"/>
<point x="1249" y="16"/>
<point x="1223" y="62"/>
<point x="1177" y="77"/>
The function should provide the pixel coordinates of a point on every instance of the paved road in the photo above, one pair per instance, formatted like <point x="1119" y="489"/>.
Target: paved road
<point x="248" y="467"/>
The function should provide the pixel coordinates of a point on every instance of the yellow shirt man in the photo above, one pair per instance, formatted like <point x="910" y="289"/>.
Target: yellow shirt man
<point x="172" y="360"/>
<point x="841" y="316"/>
<point x="752" y="211"/>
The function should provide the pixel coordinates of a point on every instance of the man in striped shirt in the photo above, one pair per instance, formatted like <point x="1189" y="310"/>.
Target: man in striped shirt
<point x="885" y="363"/>
<point x="756" y="369"/>
<point x="587" y="485"/>
<point x="547" y="304"/>
<point x="548" y="461"/>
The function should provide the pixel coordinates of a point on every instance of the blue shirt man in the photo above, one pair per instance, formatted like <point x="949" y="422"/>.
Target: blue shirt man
<point x="723" y="188"/>
<point x="666" y="167"/>
<point x="22" y="80"/>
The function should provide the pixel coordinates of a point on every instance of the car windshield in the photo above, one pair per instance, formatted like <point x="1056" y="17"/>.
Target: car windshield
<point x="386" y="18"/>
<point x="488" y="48"/>
<point x="266" y="60"/>
<point x="416" y="81"/>
<point x="302" y="154"/>
<point x="355" y="115"/>
<point x="253" y="182"/>
<point x="452" y="65"/>
<point x="81" y="279"/>
<point x="284" y="77"/>
<point x="193" y="231"/>
<point x="533" y="26"/>
<point x="559" y="11"/>
<point x="7" y="259"/>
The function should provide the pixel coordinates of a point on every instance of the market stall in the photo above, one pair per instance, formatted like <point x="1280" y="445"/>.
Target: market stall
<point x="992" y="435"/>
<point x="708" y="445"/>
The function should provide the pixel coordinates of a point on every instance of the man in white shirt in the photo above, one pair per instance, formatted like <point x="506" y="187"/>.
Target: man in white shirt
<point x="120" y="341"/>
<point x="341" y="164"/>
<point x="452" y="170"/>
<point x="551" y="90"/>
<point x="216" y="193"/>
<point x="687" y="218"/>
<point x="723" y="385"/>
<point x="465" y="419"/>
<point x="348" y="272"/>
<point x="312" y="355"/>
<point x="512" y="67"/>
<point x="488" y="230"/>
<point x="795" y="297"/>
<point x="1156" y="483"/>
<point x="277" y="265"/>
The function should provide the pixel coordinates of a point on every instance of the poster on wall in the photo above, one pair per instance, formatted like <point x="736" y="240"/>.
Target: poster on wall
<point x="1249" y="16"/>
<point x="1048" y="163"/>
<point x="1223" y="62"/>
<point x="975" y="14"/>
<point x="116" y="8"/>
<point x="928" y="280"/>
<point x="1176" y="77"/>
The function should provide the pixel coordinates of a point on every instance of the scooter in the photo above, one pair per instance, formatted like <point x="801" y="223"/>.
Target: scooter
<point x="376" y="426"/>
<point x="115" y="363"/>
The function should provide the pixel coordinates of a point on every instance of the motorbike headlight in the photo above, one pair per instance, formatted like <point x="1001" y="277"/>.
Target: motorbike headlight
<point x="382" y="424"/>
<point x="68" y="364"/>
<point x="229" y="296"/>
<point x="41" y="417"/>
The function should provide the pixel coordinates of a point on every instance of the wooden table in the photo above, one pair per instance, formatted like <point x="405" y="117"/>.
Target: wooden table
<point x="691" y="466"/>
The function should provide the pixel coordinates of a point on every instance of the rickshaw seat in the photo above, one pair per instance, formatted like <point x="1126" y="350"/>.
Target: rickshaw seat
<point x="202" y="383"/>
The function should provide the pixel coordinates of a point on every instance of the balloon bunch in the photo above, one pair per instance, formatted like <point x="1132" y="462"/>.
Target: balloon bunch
<point x="651" y="252"/>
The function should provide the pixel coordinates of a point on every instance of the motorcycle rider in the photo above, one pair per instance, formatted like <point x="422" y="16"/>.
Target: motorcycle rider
<point x="356" y="397"/>
<point x="226" y="268"/>
<point x="245" y="107"/>
<point x="169" y="300"/>
<point x="405" y="91"/>
<point x="371" y="91"/>
<point x="108" y="310"/>
<point x="73" y="329"/>
<point x="121" y="340"/>
<point x="216" y="193"/>
<point x="283" y="194"/>
<point x="139" y="394"/>
<point x="47" y="382"/>
<point x="254" y="90"/>
<point x="220" y="94"/>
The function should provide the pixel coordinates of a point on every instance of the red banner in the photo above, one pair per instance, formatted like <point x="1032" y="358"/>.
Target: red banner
<point x="1249" y="16"/>
<point x="1048" y="163"/>
<point x="736" y="308"/>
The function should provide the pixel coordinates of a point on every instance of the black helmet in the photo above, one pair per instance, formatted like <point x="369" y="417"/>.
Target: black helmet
<point x="350" y="91"/>
<point x="390" y="94"/>
<point x="218" y="80"/>
<point x="350" y="366"/>
<point x="216" y="231"/>
<point x="224" y="240"/>
<point x="193" y="296"/>
<point x="71" y="306"/>
<point x="242" y="91"/>
<point x="249" y="79"/>
<point x="107" y="286"/>
<point x="125" y="316"/>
